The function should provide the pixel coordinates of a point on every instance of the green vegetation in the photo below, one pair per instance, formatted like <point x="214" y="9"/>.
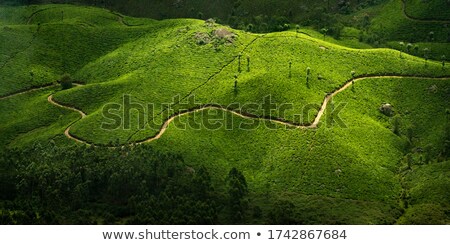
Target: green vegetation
<point x="358" y="166"/>
<point x="66" y="82"/>
<point x="77" y="185"/>
<point x="427" y="10"/>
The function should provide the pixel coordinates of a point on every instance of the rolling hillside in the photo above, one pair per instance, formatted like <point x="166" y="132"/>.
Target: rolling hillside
<point x="198" y="89"/>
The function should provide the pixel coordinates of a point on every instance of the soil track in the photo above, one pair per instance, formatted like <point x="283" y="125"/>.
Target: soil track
<point x="313" y="125"/>
<point x="421" y="20"/>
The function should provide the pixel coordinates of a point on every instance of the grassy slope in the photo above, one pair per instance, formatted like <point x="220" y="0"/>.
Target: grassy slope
<point x="436" y="50"/>
<point x="29" y="118"/>
<point x="392" y="26"/>
<point x="40" y="54"/>
<point x="149" y="82"/>
<point x="428" y="187"/>
<point x="435" y="10"/>
<point x="320" y="171"/>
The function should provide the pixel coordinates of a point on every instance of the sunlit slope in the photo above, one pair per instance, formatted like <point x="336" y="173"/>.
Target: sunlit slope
<point x="351" y="172"/>
<point x="39" y="45"/>
<point x="156" y="63"/>
<point x="273" y="64"/>
<point x="390" y="23"/>
<point x="354" y="169"/>
<point x="29" y="118"/>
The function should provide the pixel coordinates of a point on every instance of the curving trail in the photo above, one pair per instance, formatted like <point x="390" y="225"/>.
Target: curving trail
<point x="420" y="20"/>
<point x="120" y="17"/>
<point x="67" y="131"/>
<point x="314" y="125"/>
<point x="30" y="18"/>
<point x="26" y="91"/>
<point x="123" y="22"/>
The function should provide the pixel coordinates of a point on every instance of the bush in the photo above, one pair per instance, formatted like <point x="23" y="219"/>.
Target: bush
<point x="66" y="82"/>
<point x="424" y="214"/>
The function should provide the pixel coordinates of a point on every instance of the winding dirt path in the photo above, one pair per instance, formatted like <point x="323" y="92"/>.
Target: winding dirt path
<point x="420" y="20"/>
<point x="7" y="96"/>
<point x="314" y="125"/>
<point x="122" y="20"/>
<point x="67" y="131"/>
<point x="210" y="78"/>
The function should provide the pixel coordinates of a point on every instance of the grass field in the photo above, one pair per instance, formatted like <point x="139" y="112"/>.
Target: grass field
<point x="357" y="167"/>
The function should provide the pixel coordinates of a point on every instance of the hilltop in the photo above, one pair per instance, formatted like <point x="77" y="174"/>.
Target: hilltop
<point x="350" y="165"/>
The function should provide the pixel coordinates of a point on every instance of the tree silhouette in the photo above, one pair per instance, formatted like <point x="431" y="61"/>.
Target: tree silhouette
<point x="239" y="62"/>
<point x="431" y="36"/>
<point x="248" y="63"/>
<point x="290" y="69"/>
<point x="409" y="46"/>
<point x="66" y="82"/>
<point x="426" y="52"/>
<point x="237" y="190"/>
<point x="308" y="73"/>
<point x="324" y="31"/>
<point x="235" y="83"/>
<point x="416" y="49"/>
<point x="402" y="46"/>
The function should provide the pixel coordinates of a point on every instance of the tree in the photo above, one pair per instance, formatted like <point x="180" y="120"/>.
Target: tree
<point x="282" y="213"/>
<point x="402" y="46"/>
<point x="416" y="49"/>
<point x="366" y="22"/>
<point x="250" y="27"/>
<point x="200" y="15"/>
<point x="248" y="63"/>
<point x="308" y="73"/>
<point x="237" y="190"/>
<point x="431" y="36"/>
<point x="426" y="52"/>
<point x="409" y="46"/>
<point x="324" y="31"/>
<point x="239" y="62"/>
<point x="66" y="82"/>
<point x="235" y="83"/>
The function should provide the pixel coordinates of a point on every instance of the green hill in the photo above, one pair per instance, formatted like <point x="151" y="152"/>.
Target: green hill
<point x="198" y="90"/>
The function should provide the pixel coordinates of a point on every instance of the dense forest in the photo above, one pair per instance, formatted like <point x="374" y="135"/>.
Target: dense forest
<point x="132" y="185"/>
<point x="262" y="16"/>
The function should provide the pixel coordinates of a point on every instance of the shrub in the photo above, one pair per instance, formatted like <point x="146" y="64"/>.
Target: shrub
<point x="409" y="46"/>
<point x="396" y="124"/>
<point x="66" y="82"/>
<point x="424" y="214"/>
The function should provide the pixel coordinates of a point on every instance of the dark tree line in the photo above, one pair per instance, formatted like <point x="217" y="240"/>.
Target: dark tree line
<point x="87" y="185"/>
